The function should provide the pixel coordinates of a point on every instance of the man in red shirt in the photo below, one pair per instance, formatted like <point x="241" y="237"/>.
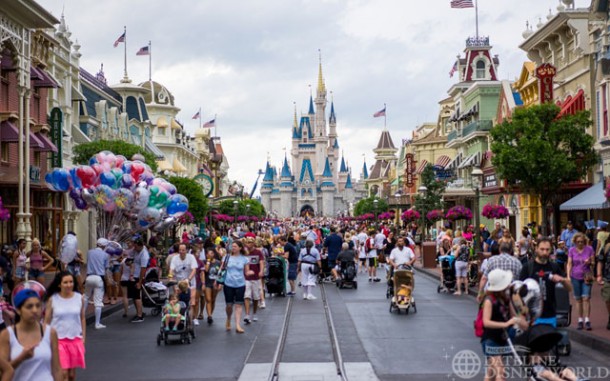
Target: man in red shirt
<point x="256" y="260"/>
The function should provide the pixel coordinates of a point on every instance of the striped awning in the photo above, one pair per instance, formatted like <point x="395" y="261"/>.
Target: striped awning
<point x="442" y="161"/>
<point x="473" y="160"/>
<point x="421" y="166"/>
<point x="152" y="148"/>
<point x="164" y="165"/>
<point x="47" y="145"/>
<point x="454" y="164"/>
<point x="178" y="166"/>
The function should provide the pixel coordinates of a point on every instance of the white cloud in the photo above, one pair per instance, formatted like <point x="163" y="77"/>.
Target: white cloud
<point x="248" y="61"/>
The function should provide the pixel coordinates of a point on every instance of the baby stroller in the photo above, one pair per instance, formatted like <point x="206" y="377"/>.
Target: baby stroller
<point x="325" y="275"/>
<point x="447" y="276"/>
<point x="275" y="282"/>
<point x="154" y="295"/>
<point x="348" y="275"/>
<point x="183" y="331"/>
<point x="404" y="283"/>
<point x="564" y="319"/>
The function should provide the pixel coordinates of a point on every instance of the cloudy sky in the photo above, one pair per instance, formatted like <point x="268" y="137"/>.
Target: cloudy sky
<point x="247" y="61"/>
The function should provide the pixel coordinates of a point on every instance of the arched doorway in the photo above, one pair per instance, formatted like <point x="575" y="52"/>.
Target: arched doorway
<point x="307" y="211"/>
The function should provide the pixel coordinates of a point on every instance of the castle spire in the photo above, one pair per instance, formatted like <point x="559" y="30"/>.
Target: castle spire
<point x="332" y="118"/>
<point x="365" y="171"/>
<point x="295" y="124"/>
<point x="321" y="85"/>
<point x="327" y="171"/>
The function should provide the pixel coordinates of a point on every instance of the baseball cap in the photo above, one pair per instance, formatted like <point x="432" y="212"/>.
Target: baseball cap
<point x="102" y="242"/>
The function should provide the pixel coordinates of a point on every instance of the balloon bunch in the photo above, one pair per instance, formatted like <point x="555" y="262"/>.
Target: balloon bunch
<point x="125" y="193"/>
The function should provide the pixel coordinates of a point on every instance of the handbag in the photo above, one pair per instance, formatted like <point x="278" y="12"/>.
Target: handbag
<point x="222" y="273"/>
<point x="589" y="278"/>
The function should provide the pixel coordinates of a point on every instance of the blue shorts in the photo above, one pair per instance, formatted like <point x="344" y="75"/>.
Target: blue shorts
<point x="491" y="348"/>
<point x="292" y="271"/>
<point x="35" y="273"/>
<point x="581" y="289"/>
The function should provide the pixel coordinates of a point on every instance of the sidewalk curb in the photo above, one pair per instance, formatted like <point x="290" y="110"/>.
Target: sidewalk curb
<point x="591" y="341"/>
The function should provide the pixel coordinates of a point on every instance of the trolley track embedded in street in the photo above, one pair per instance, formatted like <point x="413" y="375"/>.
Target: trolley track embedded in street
<point x="336" y="350"/>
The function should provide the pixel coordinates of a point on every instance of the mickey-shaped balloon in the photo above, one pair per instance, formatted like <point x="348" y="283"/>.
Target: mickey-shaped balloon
<point x="177" y="205"/>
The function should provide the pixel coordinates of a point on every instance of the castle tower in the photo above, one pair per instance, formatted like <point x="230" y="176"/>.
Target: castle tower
<point x="342" y="175"/>
<point x="327" y="187"/>
<point x="267" y="187"/>
<point x="286" y="186"/>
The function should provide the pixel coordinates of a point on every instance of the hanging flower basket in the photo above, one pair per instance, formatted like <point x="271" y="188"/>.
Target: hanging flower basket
<point x="185" y="219"/>
<point x="410" y="215"/>
<point x="386" y="215"/>
<point x="459" y="212"/>
<point x="495" y="211"/>
<point x="434" y="215"/>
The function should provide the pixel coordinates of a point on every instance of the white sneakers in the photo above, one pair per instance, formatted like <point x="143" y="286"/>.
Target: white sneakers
<point x="100" y="326"/>
<point x="311" y="297"/>
<point x="196" y="322"/>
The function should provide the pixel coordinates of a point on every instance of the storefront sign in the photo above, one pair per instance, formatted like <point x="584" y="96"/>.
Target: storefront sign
<point x="56" y="134"/>
<point x="545" y="74"/>
<point x="441" y="173"/>
<point x="490" y="181"/>
<point x="409" y="169"/>
<point x="34" y="174"/>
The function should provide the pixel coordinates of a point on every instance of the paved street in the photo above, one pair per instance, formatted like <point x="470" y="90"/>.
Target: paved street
<point x="420" y="346"/>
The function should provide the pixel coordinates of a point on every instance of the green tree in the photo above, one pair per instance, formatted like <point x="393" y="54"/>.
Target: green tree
<point x="192" y="190"/>
<point x="367" y="205"/>
<point x="228" y="207"/>
<point x="83" y="152"/>
<point x="538" y="151"/>
<point x="431" y="199"/>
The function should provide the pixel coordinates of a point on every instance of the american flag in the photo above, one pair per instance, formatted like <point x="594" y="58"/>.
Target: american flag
<point x="211" y="123"/>
<point x="462" y="4"/>
<point x="197" y="116"/>
<point x="379" y="113"/>
<point x="144" y="51"/>
<point x="453" y="69"/>
<point x="119" y="40"/>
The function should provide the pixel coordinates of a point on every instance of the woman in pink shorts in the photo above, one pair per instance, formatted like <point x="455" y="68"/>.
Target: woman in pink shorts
<point x="66" y="313"/>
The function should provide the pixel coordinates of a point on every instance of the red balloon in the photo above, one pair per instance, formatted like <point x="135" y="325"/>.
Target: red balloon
<point x="98" y="168"/>
<point x="87" y="175"/>
<point x="136" y="170"/>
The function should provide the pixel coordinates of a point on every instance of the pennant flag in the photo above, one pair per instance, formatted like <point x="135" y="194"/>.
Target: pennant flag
<point x="379" y="113"/>
<point x="197" y="116"/>
<point x="211" y="123"/>
<point x="453" y="69"/>
<point x="144" y="51"/>
<point x="462" y="4"/>
<point x="119" y="40"/>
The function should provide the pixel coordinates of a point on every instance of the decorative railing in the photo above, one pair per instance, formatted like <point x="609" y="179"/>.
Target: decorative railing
<point x="477" y="42"/>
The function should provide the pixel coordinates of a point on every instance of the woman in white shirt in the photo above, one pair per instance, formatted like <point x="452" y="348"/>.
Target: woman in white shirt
<point x="29" y="346"/>
<point x="66" y="314"/>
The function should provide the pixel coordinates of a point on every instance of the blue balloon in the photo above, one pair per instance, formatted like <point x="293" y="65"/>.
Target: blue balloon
<point x="93" y="160"/>
<point x="76" y="183"/>
<point x="48" y="178"/>
<point x="60" y="179"/>
<point x="127" y="181"/>
<point x="107" y="178"/>
<point x="177" y="205"/>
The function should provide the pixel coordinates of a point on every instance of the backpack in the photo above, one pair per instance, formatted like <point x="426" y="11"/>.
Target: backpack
<point x="368" y="245"/>
<point x="478" y="322"/>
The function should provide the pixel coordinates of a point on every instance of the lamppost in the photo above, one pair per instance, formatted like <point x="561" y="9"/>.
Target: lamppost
<point x="477" y="176"/>
<point x="375" y="204"/>
<point x="398" y="197"/>
<point x="235" y="203"/>
<point x="422" y="190"/>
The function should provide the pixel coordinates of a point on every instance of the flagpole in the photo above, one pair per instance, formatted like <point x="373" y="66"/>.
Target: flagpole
<point x="125" y="50"/>
<point x="150" y="60"/>
<point x="385" y="116"/>
<point x="215" y="128"/>
<point x="200" y="117"/>
<point x="476" y="12"/>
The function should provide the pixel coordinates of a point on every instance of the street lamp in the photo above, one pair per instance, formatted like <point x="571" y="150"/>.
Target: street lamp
<point x="375" y="204"/>
<point x="477" y="176"/>
<point x="422" y="190"/>
<point x="235" y="203"/>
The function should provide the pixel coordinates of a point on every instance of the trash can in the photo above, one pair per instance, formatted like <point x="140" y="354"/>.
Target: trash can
<point x="429" y="254"/>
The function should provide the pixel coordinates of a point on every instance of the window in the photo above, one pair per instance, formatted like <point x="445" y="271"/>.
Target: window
<point x="161" y="131"/>
<point x="36" y="159"/>
<point x="4" y="152"/>
<point x="481" y="69"/>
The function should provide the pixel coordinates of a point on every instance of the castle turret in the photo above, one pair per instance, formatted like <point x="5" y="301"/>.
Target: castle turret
<point x="327" y="187"/>
<point x="286" y="188"/>
<point x="267" y="187"/>
<point x="342" y="175"/>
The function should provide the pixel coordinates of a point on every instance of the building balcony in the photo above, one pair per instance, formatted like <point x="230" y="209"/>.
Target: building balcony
<point x="469" y="129"/>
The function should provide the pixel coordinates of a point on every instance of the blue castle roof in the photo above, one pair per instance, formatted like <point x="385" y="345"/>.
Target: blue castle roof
<point x="286" y="169"/>
<point x="348" y="184"/>
<point x="327" y="171"/>
<point x="343" y="168"/>
<point x="365" y="171"/>
<point x="332" y="118"/>
<point x="306" y="171"/>
<point x="311" y="110"/>
<point x="336" y="145"/>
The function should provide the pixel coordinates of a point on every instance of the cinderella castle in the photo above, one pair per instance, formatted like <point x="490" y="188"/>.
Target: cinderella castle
<point x="315" y="184"/>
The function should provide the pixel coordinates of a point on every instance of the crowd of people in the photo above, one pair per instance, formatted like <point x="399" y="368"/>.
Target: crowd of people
<point x="234" y="262"/>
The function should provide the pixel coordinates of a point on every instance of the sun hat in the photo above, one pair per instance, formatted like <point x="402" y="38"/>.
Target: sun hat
<point x="499" y="279"/>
